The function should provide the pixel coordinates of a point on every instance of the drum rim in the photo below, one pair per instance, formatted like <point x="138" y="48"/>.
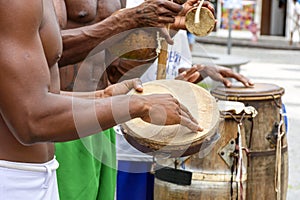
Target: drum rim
<point x="242" y="96"/>
<point x="172" y="150"/>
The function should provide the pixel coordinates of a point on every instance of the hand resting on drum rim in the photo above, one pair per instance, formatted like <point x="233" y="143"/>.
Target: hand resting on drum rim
<point x="199" y="72"/>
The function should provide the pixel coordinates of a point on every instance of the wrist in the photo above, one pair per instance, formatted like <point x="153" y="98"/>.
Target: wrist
<point x="179" y="23"/>
<point x="126" y="16"/>
<point x="138" y="106"/>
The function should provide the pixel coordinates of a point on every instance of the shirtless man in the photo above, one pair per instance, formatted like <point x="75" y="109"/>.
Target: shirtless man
<point x="85" y="24"/>
<point x="84" y="28"/>
<point x="33" y="112"/>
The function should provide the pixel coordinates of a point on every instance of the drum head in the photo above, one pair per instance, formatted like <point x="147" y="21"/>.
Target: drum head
<point x="174" y="140"/>
<point x="260" y="91"/>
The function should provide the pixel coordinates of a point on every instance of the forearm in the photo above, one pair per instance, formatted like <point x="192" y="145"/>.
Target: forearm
<point x="79" y="42"/>
<point x="178" y="24"/>
<point x="61" y="118"/>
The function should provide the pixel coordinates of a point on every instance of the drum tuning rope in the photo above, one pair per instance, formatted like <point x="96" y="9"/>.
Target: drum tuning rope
<point x="278" y="158"/>
<point x="278" y="104"/>
<point x="280" y="135"/>
<point x="240" y="160"/>
<point x="239" y="173"/>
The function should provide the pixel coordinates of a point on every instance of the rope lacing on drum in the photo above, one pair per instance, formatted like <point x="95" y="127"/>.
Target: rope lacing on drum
<point x="239" y="156"/>
<point x="240" y="162"/>
<point x="280" y="135"/>
<point x="277" y="178"/>
<point x="279" y="105"/>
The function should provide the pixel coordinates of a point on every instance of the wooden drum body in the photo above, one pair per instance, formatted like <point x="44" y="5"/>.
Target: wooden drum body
<point x="214" y="172"/>
<point x="267" y="152"/>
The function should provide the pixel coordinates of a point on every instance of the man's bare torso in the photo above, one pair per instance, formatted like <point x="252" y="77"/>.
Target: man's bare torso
<point x="75" y="14"/>
<point x="10" y="148"/>
<point x="81" y="13"/>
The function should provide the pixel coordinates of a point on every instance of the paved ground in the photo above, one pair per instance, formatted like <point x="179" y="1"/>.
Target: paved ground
<point x="281" y="67"/>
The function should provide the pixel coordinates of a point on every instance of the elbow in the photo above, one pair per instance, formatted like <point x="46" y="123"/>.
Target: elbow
<point x="27" y="140"/>
<point x="31" y="132"/>
<point x="31" y="122"/>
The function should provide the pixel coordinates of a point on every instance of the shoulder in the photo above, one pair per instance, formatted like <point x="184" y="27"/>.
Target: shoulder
<point x="16" y="13"/>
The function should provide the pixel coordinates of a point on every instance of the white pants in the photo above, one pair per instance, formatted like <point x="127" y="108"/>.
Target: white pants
<point x="28" y="181"/>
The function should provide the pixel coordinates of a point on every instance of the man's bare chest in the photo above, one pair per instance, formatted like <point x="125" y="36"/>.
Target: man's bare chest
<point x="87" y="12"/>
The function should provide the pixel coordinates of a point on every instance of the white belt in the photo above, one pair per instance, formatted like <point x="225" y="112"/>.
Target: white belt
<point x="35" y="167"/>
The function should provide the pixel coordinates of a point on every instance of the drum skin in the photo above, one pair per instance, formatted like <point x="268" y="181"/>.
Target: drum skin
<point x="260" y="131"/>
<point x="212" y="178"/>
<point x="174" y="140"/>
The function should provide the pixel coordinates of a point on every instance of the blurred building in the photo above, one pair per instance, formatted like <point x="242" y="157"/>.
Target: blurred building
<point x="272" y="18"/>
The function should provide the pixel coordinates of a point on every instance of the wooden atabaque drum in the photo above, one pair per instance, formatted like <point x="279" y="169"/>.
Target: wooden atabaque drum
<point x="216" y="172"/>
<point x="267" y="171"/>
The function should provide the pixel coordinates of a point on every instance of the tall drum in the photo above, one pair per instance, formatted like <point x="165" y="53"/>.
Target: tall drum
<point x="218" y="172"/>
<point x="265" y="138"/>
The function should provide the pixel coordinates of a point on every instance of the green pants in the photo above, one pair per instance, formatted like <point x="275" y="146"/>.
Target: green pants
<point x="87" y="167"/>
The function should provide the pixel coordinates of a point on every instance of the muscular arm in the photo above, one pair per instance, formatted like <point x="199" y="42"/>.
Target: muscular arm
<point x="112" y="90"/>
<point x="32" y="113"/>
<point x="78" y="42"/>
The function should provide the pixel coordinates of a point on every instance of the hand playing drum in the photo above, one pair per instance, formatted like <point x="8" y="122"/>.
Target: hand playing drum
<point x="199" y="72"/>
<point x="174" y="140"/>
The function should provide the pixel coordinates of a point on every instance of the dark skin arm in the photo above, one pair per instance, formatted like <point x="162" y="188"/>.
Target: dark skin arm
<point x="113" y="90"/>
<point x="199" y="72"/>
<point x="38" y="113"/>
<point x="152" y="13"/>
